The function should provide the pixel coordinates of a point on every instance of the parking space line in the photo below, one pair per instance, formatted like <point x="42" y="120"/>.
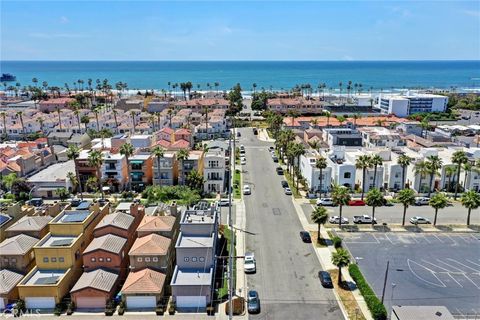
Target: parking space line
<point x="463" y="265"/>
<point x="414" y="238"/>
<point x="476" y="285"/>
<point x="386" y="235"/>
<point x="472" y="262"/>
<point x="448" y="236"/>
<point x="426" y="239"/>
<point x="436" y="265"/>
<point x="438" y="238"/>
<point x="455" y="279"/>
<point x="460" y="312"/>
<point x="376" y="239"/>
<point x="430" y="270"/>
<point x="459" y="270"/>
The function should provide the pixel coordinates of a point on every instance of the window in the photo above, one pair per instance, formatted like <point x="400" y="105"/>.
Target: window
<point x="53" y="259"/>
<point x="93" y="259"/>
<point x="13" y="261"/>
<point x="147" y="259"/>
<point x="186" y="259"/>
<point x="139" y="259"/>
<point x="347" y="175"/>
<point x="201" y="259"/>
<point x="100" y="259"/>
<point x="45" y="259"/>
<point x="155" y="259"/>
<point x="108" y="259"/>
<point x="61" y="259"/>
<point x="194" y="259"/>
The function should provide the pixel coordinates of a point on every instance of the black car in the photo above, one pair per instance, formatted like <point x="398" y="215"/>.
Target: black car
<point x="239" y="134"/>
<point x="255" y="131"/>
<point x="325" y="279"/>
<point x="305" y="236"/>
<point x="280" y="171"/>
<point x="253" y="302"/>
<point x="285" y="184"/>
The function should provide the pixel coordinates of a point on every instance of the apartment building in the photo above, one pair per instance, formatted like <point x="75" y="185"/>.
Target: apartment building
<point x="300" y="105"/>
<point x="214" y="172"/>
<point x="168" y="173"/>
<point x="194" y="161"/>
<point x="409" y="103"/>
<point x="343" y="168"/>
<point x="381" y="137"/>
<point x="141" y="171"/>
<point x="312" y="174"/>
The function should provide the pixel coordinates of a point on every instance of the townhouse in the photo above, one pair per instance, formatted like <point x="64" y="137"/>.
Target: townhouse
<point x="312" y="174"/>
<point x="16" y="253"/>
<point x="47" y="181"/>
<point x="214" y="171"/>
<point x="8" y="289"/>
<point x="381" y="137"/>
<point x="10" y="214"/>
<point x="165" y="169"/>
<point x="94" y="289"/>
<point x="141" y="171"/>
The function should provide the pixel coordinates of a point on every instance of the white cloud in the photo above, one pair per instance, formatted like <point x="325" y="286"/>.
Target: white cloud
<point x="63" y="20"/>
<point x="41" y="35"/>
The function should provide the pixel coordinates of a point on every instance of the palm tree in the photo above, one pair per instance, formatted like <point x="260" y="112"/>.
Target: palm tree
<point x="73" y="152"/>
<point x="182" y="155"/>
<point x="356" y="116"/>
<point x="40" y="122"/>
<point x="320" y="164"/>
<point x="434" y="163"/>
<point x="76" y="112"/>
<point x="340" y="258"/>
<point x="328" y="114"/>
<point x="115" y="112"/>
<point x="341" y="119"/>
<point x="340" y="197"/>
<point x="254" y="85"/>
<point x="95" y="159"/>
<point x="438" y="201"/>
<point x="293" y="114"/>
<point x="158" y="153"/>
<point x="375" y="161"/>
<point x="73" y="179"/>
<point x="298" y="151"/>
<point x="132" y="113"/>
<point x="459" y="158"/>
<point x="374" y="199"/>
<point x="471" y="201"/>
<point x="127" y="150"/>
<point x="449" y="172"/>
<point x="20" y="115"/>
<point x="404" y="161"/>
<point x="363" y="162"/>
<point x="467" y="167"/>
<point x="421" y="169"/>
<point x="59" y="117"/>
<point x="319" y="216"/>
<point x="85" y="120"/>
<point x="35" y="82"/>
<point x="3" y="114"/>
<point x="407" y="198"/>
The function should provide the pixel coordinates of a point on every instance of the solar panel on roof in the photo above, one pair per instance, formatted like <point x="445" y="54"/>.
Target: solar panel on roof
<point x="47" y="280"/>
<point x="61" y="243"/>
<point x="75" y="217"/>
<point x="4" y="219"/>
<point x="83" y="205"/>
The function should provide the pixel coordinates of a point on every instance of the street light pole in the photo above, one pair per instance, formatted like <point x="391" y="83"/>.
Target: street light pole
<point x="385" y="281"/>
<point x="230" y="224"/>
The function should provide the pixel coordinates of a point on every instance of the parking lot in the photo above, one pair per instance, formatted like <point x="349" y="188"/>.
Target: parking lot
<point x="425" y="269"/>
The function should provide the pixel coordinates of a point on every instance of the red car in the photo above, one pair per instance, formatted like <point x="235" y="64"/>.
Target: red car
<point x="357" y="202"/>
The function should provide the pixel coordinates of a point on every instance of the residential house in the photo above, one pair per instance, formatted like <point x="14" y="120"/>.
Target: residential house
<point x="309" y="170"/>
<point x="300" y="105"/>
<point x="47" y="181"/>
<point x="193" y="162"/>
<point x="94" y="289"/>
<point x="54" y="104"/>
<point x="17" y="254"/>
<point x="114" y="170"/>
<point x="143" y="289"/>
<point x="168" y="173"/>
<point x="108" y="251"/>
<point x="141" y="171"/>
<point x="154" y="252"/>
<point x="10" y="214"/>
<point x="33" y="226"/>
<point x="166" y="226"/>
<point x="343" y="168"/>
<point x="214" y="172"/>
<point x="8" y="288"/>
<point x="381" y="137"/>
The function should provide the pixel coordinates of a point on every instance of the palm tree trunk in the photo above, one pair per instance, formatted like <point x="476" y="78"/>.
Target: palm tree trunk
<point x="374" y="177"/>
<point x="404" y="214"/>
<point x="339" y="276"/>
<point x="158" y="169"/>
<point x="457" y="183"/>
<point x="79" y="183"/>
<point x="465" y="181"/>
<point x="363" y="182"/>
<point x="468" y="216"/>
<point x="99" y="177"/>
<point x="129" y="175"/>
<point x="449" y="183"/>
<point x="420" y="184"/>
<point x="431" y="186"/>
<point x="373" y="216"/>
<point x="403" y="177"/>
<point x="318" y="234"/>
<point x="435" y="218"/>
<point x="340" y="215"/>
<point x="320" y="182"/>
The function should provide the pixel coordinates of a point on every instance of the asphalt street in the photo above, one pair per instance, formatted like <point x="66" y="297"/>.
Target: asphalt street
<point x="393" y="215"/>
<point x="286" y="277"/>
<point x="425" y="269"/>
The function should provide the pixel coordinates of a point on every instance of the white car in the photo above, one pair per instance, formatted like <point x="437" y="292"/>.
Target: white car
<point x="419" y="220"/>
<point x="250" y="266"/>
<point x="249" y="256"/>
<point x="223" y="202"/>
<point x="288" y="191"/>
<point x="243" y="160"/>
<point x="325" y="202"/>
<point x="336" y="220"/>
<point x="422" y="201"/>
<point x="246" y="189"/>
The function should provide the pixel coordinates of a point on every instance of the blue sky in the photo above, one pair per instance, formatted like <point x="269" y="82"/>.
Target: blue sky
<point x="231" y="30"/>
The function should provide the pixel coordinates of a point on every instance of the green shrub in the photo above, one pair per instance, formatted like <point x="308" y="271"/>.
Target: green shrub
<point x="374" y="304"/>
<point x="337" y="242"/>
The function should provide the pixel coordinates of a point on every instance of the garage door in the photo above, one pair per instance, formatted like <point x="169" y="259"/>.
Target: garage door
<point x="194" y="302"/>
<point x="40" y="302"/>
<point x="90" y="302"/>
<point x="2" y="303"/>
<point x="141" y="302"/>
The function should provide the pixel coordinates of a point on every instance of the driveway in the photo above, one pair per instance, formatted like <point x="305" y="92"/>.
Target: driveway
<point x="287" y="268"/>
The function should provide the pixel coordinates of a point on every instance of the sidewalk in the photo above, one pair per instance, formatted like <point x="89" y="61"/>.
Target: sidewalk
<point x="324" y="255"/>
<point x="263" y="136"/>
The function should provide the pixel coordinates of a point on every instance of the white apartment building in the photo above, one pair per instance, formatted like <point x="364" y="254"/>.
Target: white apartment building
<point x="380" y="137"/>
<point x="114" y="170"/>
<point x="406" y="104"/>
<point x="168" y="169"/>
<point x="214" y="171"/>
<point x="312" y="174"/>
<point x="343" y="169"/>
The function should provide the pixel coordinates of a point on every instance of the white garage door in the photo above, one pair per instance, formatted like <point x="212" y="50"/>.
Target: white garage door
<point x="40" y="302"/>
<point x="91" y="302"/>
<point x="2" y="303"/>
<point x="141" y="302"/>
<point x="191" y="302"/>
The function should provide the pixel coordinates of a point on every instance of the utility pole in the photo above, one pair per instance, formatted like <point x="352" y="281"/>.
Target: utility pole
<point x="230" y="224"/>
<point x="385" y="281"/>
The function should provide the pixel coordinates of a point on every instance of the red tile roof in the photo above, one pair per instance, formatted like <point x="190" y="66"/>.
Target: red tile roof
<point x="144" y="281"/>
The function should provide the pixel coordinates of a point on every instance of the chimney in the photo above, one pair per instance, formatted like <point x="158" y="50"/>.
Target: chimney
<point x="173" y="209"/>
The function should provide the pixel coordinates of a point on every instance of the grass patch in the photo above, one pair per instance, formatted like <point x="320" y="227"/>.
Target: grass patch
<point x="313" y="201"/>
<point x="295" y="192"/>
<point x="237" y="184"/>
<point x="348" y="300"/>
<point x="223" y="291"/>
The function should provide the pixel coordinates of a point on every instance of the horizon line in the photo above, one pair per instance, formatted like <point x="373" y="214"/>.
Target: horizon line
<point x="260" y="60"/>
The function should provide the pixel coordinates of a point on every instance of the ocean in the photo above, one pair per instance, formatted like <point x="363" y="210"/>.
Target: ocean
<point x="379" y="75"/>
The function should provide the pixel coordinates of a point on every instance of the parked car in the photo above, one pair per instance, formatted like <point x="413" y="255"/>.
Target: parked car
<point x="288" y="191"/>
<point x="243" y="161"/>
<point x="249" y="256"/>
<point x="271" y="148"/>
<point x="422" y="201"/>
<point x="36" y="202"/>
<point x="284" y="184"/>
<point x="250" y="266"/>
<point x="275" y="159"/>
<point x="356" y="202"/>
<point x="279" y="171"/>
<point x="75" y="202"/>
<point x="364" y="219"/>
<point x="305" y="235"/>
<point x="336" y="220"/>
<point x="246" y="189"/>
<point x="419" y="220"/>
<point x="325" y="202"/>
<point x="325" y="279"/>
<point x="239" y="134"/>
<point x="223" y="202"/>
<point x="253" y="302"/>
